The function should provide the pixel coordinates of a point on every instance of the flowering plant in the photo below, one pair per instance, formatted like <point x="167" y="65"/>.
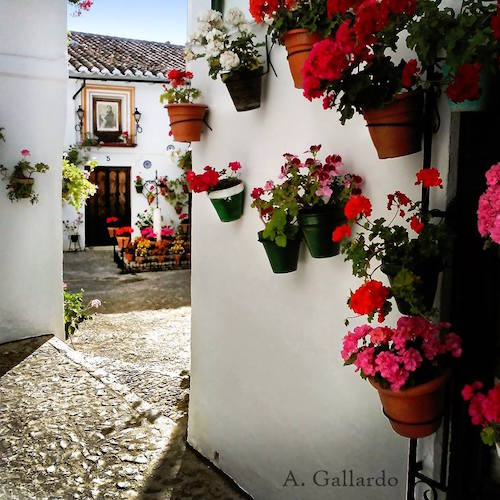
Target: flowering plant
<point x="142" y="247"/>
<point x="20" y="181"/>
<point x="76" y="187"/>
<point x="167" y="231"/>
<point x="177" y="247"/>
<point x="148" y="233"/>
<point x="124" y="231"/>
<point x="355" y="70"/>
<point x="484" y="410"/>
<point x="182" y="158"/>
<point x="175" y="190"/>
<point x="488" y="212"/>
<point x="413" y="353"/>
<point x="81" y="5"/>
<point x="111" y="220"/>
<point x="72" y="227"/>
<point x="75" y="311"/>
<point x="139" y="181"/>
<point x="285" y="15"/>
<point x="392" y="246"/>
<point x="144" y="219"/>
<point x="179" y="91"/>
<point x="228" y="44"/>
<point x="213" y="180"/>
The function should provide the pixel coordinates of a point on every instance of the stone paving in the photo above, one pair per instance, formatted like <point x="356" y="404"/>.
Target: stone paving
<point x="105" y="415"/>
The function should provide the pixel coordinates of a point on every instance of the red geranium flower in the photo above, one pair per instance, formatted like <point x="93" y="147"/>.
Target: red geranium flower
<point x="341" y="232"/>
<point x="416" y="224"/>
<point x="409" y="71"/>
<point x="357" y="205"/>
<point x="110" y="220"/>
<point x="257" y="193"/>
<point x="495" y="26"/>
<point x="429" y="177"/>
<point x="124" y="230"/>
<point x="370" y="298"/>
<point x="465" y="85"/>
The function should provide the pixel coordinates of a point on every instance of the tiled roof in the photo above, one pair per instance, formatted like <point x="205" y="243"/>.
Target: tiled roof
<point x="114" y="57"/>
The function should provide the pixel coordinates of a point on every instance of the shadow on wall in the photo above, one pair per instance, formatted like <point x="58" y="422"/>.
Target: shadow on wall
<point x="14" y="353"/>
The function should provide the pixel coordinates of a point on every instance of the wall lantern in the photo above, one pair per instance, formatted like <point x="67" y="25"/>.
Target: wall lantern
<point x="218" y="5"/>
<point x="80" y="113"/>
<point x="137" y="116"/>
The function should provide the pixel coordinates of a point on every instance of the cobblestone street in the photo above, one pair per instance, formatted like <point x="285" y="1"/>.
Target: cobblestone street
<point x="105" y="416"/>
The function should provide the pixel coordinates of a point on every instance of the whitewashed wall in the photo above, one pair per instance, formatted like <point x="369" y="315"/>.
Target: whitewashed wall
<point x="151" y="145"/>
<point x="32" y="80"/>
<point x="269" y="393"/>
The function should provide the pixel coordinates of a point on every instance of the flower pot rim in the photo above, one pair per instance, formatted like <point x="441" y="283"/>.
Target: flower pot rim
<point x="23" y="180"/>
<point x="227" y="192"/>
<point x="262" y="240"/>
<point x="417" y="390"/>
<point x="186" y="104"/>
<point x="252" y="74"/>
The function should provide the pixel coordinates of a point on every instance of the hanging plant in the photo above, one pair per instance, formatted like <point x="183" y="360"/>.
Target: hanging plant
<point x="20" y="181"/>
<point x="175" y="191"/>
<point x="409" y="366"/>
<point x="488" y="212"/>
<point x="412" y="263"/>
<point x="183" y="159"/>
<point x="139" y="184"/>
<point x="186" y="117"/>
<point x="231" y="50"/>
<point x="225" y="189"/>
<point x="76" y="187"/>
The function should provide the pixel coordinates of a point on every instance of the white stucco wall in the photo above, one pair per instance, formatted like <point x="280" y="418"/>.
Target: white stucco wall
<point x="152" y="145"/>
<point x="32" y="81"/>
<point x="269" y="392"/>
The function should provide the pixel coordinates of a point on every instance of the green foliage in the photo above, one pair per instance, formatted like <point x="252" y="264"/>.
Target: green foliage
<point x="76" y="188"/>
<point x="75" y="311"/>
<point x="145" y="219"/>
<point x="182" y="94"/>
<point x="20" y="181"/>
<point x="175" y="190"/>
<point x="491" y="434"/>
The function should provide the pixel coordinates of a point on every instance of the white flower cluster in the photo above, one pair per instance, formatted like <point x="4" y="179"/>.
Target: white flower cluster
<point x="229" y="60"/>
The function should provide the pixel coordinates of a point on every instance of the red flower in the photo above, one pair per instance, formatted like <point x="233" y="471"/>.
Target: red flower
<point x="409" y="71"/>
<point x="416" y="224"/>
<point x="401" y="199"/>
<point x="235" y="166"/>
<point x="341" y="232"/>
<point x="124" y="231"/>
<point x="357" y="205"/>
<point x="495" y="26"/>
<point x="256" y="193"/>
<point x="110" y="220"/>
<point x="429" y="177"/>
<point x="370" y="298"/>
<point x="465" y="85"/>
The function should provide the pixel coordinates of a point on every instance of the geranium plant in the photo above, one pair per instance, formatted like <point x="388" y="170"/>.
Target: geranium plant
<point x="413" y="353"/>
<point x="179" y="90"/>
<point x="144" y="219"/>
<point x="20" y="180"/>
<point x="409" y="256"/>
<point x="76" y="311"/>
<point x="488" y="212"/>
<point x="484" y="410"/>
<point x="124" y="231"/>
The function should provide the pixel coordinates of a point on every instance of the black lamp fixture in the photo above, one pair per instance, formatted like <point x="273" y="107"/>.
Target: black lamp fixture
<point x="218" y="5"/>
<point x="137" y="116"/>
<point x="80" y="113"/>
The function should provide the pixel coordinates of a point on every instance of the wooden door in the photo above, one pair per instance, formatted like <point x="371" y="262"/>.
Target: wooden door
<point x="111" y="200"/>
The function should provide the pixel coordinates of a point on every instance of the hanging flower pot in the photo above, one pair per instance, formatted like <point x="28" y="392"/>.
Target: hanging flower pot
<point x="163" y="190"/>
<point x="122" y="241"/>
<point x="415" y="412"/>
<point x="298" y="43"/>
<point x="139" y="188"/>
<point x="426" y="285"/>
<point x="317" y="227"/>
<point x="245" y="89"/>
<point x="228" y="202"/>
<point x="186" y="121"/>
<point x="23" y="186"/>
<point x="396" y="128"/>
<point x="74" y="238"/>
<point x="282" y="259"/>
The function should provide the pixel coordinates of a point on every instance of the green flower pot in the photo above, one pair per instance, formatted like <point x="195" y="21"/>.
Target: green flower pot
<point x="428" y="273"/>
<point x="228" y="202"/>
<point x="282" y="259"/>
<point x="317" y="227"/>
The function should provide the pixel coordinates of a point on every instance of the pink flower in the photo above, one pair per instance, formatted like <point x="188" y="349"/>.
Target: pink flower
<point x="365" y="361"/>
<point x="25" y="153"/>
<point x="476" y="409"/>
<point x="235" y="166"/>
<point x="453" y="344"/>
<point x="380" y="335"/>
<point x="469" y="390"/>
<point x="491" y="406"/>
<point x="268" y="186"/>
<point x="351" y="341"/>
<point x="493" y="175"/>
<point x="411" y="359"/>
<point x="324" y="191"/>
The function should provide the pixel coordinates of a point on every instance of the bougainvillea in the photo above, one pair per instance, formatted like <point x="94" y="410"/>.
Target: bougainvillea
<point x="413" y="353"/>
<point x="488" y="213"/>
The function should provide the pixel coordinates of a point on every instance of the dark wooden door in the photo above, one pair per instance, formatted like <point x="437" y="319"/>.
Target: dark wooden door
<point x="111" y="200"/>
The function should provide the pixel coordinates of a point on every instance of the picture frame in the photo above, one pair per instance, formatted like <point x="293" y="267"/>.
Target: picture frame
<point x="107" y="118"/>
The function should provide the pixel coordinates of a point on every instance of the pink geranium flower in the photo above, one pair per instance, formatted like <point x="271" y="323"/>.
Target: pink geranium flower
<point x="25" y="153"/>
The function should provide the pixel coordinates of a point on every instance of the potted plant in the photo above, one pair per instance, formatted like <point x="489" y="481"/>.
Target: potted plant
<point x="112" y="227"/>
<point x="142" y="249"/>
<point x="177" y="250"/>
<point x="139" y="184"/>
<point x="123" y="235"/>
<point x="409" y="366"/>
<point x="412" y="263"/>
<point x="225" y="189"/>
<point x="484" y="410"/>
<point x="186" y="117"/>
<point x="144" y="219"/>
<point x="72" y="227"/>
<point x="488" y="212"/>
<point x="20" y="181"/>
<point x="148" y="233"/>
<point x="321" y="190"/>
<point x="357" y="71"/>
<point x="298" y="25"/>
<point x="167" y="232"/>
<point x="163" y="184"/>
<point x="185" y="222"/>
<point x="231" y="50"/>
<point x="129" y="252"/>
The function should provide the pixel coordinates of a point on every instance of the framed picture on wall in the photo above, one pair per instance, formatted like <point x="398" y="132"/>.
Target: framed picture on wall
<point x="107" y="118"/>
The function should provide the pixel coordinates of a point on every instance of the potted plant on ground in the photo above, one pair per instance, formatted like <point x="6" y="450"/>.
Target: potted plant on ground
<point x="144" y="219"/>
<point x="71" y="227"/>
<point x="409" y="366"/>
<point x="296" y="24"/>
<point x="129" y="252"/>
<point x="177" y="250"/>
<point x="142" y="249"/>
<point x="225" y="189"/>
<point x="412" y="263"/>
<point x="148" y="233"/>
<point x="321" y="191"/>
<point x="161" y="250"/>
<point x="112" y="227"/>
<point x="231" y="50"/>
<point x="488" y="212"/>
<point x="139" y="184"/>
<point x="20" y="181"/>
<point x="186" y="117"/>
<point x="167" y="232"/>
<point x="185" y="222"/>
<point x="484" y="410"/>
<point x="123" y="235"/>
<point x="356" y="71"/>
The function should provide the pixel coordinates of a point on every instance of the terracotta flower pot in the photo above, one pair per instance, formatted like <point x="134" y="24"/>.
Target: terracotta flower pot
<point x="299" y="43"/>
<point x="160" y="259"/>
<point x="129" y="256"/>
<point x="415" y="412"/>
<point x="185" y="227"/>
<point x="139" y="259"/>
<point x="122" y="241"/>
<point x="163" y="190"/>
<point x="112" y="231"/>
<point x="177" y="258"/>
<point x="396" y="128"/>
<point x="186" y="121"/>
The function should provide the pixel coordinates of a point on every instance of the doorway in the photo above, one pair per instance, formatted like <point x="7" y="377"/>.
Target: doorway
<point x="111" y="200"/>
